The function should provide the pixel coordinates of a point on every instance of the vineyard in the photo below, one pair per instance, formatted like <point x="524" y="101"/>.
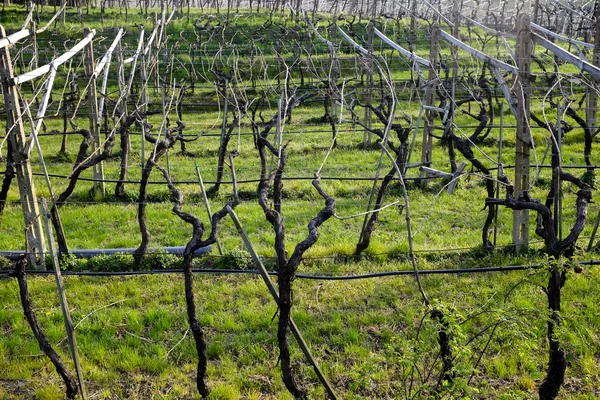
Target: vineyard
<point x="300" y="200"/>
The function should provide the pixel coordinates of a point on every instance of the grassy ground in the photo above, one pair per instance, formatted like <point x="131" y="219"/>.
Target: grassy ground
<point x="369" y="336"/>
<point x="133" y="338"/>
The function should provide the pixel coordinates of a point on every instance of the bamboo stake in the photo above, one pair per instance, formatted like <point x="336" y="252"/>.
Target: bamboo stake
<point x="500" y="171"/>
<point x="64" y="305"/>
<point x="594" y="232"/>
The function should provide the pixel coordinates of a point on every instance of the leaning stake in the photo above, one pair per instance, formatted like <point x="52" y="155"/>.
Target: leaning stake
<point x="64" y="305"/>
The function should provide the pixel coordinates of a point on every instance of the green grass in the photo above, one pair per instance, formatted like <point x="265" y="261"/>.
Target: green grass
<point x="363" y="333"/>
<point x="367" y="335"/>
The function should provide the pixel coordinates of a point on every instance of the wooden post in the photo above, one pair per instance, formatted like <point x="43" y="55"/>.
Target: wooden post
<point x="536" y="10"/>
<point x="430" y="115"/>
<point x="63" y="5"/>
<point x="156" y="46"/>
<point x="523" y="136"/>
<point x="123" y="95"/>
<point x="556" y="173"/>
<point x="99" y="186"/>
<point x="591" y="244"/>
<point x="369" y="99"/>
<point x="592" y="99"/>
<point x="64" y="305"/>
<point x="34" y="52"/>
<point x="17" y="140"/>
<point x="413" y="26"/>
<point x="225" y="108"/>
<point x="500" y="171"/>
<point x="144" y="94"/>
<point x="455" y="31"/>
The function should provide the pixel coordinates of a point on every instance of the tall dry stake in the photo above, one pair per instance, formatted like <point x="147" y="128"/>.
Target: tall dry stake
<point x="17" y="142"/>
<point x="523" y="134"/>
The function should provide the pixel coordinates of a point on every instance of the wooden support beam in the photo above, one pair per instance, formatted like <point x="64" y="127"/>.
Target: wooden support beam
<point x="479" y="54"/>
<point x="92" y="98"/>
<point x="406" y="53"/>
<point x="15" y="131"/>
<point x="494" y="32"/>
<point x="317" y="34"/>
<point x="58" y="61"/>
<point x="352" y="42"/>
<point x="561" y="37"/>
<point x="104" y="64"/>
<point x="567" y="56"/>
<point x="15" y="37"/>
<point x="523" y="136"/>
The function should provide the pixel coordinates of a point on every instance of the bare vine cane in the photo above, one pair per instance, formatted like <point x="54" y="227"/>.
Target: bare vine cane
<point x="447" y="373"/>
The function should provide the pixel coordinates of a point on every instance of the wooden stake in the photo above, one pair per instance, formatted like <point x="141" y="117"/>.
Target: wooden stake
<point x="15" y="131"/>
<point x="594" y="232"/>
<point x="523" y="134"/>
<point x="557" y="181"/>
<point x="500" y="170"/>
<point x="455" y="31"/>
<point x="144" y="90"/>
<point x="64" y="305"/>
<point x="63" y="6"/>
<point x="293" y="327"/>
<point x="369" y="99"/>
<point x="92" y="97"/>
<point x="156" y="46"/>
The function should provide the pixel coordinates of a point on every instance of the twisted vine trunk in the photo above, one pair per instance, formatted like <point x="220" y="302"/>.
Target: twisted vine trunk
<point x="588" y="137"/>
<point x="194" y="244"/>
<point x="445" y="348"/>
<point x="365" y="239"/>
<point x="125" y="147"/>
<point x="44" y="343"/>
<point x="286" y="268"/>
<point x="223" y="153"/>
<point x="555" y="248"/>
<point x="9" y="175"/>
<point x="557" y="362"/>
<point x="161" y="148"/>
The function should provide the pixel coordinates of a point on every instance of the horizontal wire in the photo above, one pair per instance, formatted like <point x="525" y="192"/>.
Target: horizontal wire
<point x="507" y="268"/>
